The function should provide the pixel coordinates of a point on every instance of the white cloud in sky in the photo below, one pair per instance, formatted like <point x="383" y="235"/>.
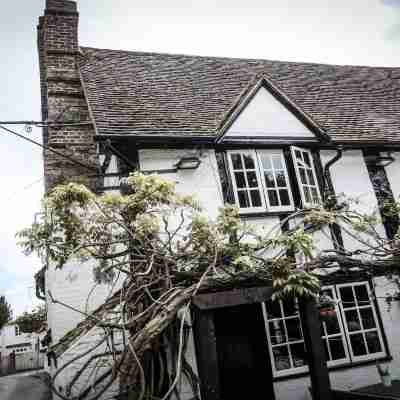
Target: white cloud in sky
<point x="337" y="32"/>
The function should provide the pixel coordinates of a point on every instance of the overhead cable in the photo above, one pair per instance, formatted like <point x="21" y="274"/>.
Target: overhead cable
<point x="71" y="159"/>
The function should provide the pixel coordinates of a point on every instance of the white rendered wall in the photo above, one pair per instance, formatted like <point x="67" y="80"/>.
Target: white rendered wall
<point x="72" y="285"/>
<point x="350" y="177"/>
<point x="266" y="116"/>
<point x="79" y="347"/>
<point x="202" y="182"/>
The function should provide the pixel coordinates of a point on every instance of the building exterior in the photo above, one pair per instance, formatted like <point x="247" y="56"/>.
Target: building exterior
<point x="13" y="340"/>
<point x="267" y="136"/>
<point x="19" y="351"/>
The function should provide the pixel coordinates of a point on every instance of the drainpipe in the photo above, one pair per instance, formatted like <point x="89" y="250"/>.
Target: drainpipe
<point x="328" y="187"/>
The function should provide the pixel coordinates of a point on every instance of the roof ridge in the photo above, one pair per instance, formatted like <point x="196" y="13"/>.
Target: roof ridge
<point x="234" y="59"/>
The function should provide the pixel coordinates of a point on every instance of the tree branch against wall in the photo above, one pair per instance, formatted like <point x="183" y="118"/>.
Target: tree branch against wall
<point x="163" y="250"/>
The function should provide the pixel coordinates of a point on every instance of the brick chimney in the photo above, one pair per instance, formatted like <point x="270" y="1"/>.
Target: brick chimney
<point x="62" y="96"/>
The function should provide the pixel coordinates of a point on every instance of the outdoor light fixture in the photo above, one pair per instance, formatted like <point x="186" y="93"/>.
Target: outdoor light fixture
<point x="188" y="163"/>
<point x="380" y="159"/>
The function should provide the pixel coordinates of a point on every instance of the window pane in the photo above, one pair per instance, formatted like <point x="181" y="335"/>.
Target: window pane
<point x="306" y="158"/>
<point x="281" y="179"/>
<point x="307" y="194"/>
<point x="353" y="321"/>
<point x="303" y="179"/>
<point x="358" y="345"/>
<point x="346" y="295"/>
<point x="277" y="162"/>
<point x="252" y="179"/>
<point x="273" y="198"/>
<point x="255" y="198"/>
<point x="299" y="355"/>
<point x="293" y="329"/>
<point x="240" y="181"/>
<point x="243" y="199"/>
<point x="248" y="162"/>
<point x="298" y="154"/>
<point x="332" y="326"/>
<point x="327" y="292"/>
<point x="373" y="343"/>
<point x="362" y="295"/>
<point x="315" y="196"/>
<point x="289" y="307"/>
<point x="266" y="161"/>
<point x="281" y="358"/>
<point x="310" y="177"/>
<point x="236" y="161"/>
<point x="367" y="318"/>
<point x="284" y="195"/>
<point x="277" y="332"/>
<point x="269" y="179"/>
<point x="337" y="348"/>
<point x="273" y="309"/>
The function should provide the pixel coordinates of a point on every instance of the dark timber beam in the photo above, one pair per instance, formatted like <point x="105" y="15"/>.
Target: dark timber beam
<point x="319" y="374"/>
<point x="208" y="301"/>
<point x="206" y="353"/>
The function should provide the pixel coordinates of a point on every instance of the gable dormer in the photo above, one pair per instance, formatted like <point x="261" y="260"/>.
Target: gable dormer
<point x="265" y="112"/>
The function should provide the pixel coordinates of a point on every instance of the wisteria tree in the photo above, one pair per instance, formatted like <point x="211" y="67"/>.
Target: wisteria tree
<point x="164" y="250"/>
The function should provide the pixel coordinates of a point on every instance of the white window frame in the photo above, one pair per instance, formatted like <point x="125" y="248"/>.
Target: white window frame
<point x="259" y="181"/>
<point x="263" y="190"/>
<point x="341" y="334"/>
<point x="271" y="153"/>
<point x="300" y="184"/>
<point x="289" y="371"/>
<point x="357" y="307"/>
<point x="344" y="333"/>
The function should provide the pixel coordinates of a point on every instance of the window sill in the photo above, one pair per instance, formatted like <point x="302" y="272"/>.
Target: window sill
<point x="257" y="215"/>
<point x="337" y="368"/>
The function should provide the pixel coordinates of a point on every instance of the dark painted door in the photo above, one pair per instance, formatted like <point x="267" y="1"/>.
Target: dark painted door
<point x="243" y="359"/>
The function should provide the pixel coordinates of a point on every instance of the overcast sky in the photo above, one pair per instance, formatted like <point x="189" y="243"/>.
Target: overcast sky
<point x="362" y="32"/>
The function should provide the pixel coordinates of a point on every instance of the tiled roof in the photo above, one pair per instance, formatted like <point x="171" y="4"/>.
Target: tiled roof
<point x="133" y="93"/>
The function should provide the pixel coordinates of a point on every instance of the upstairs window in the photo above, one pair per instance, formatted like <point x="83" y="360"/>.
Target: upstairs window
<point x="246" y="180"/>
<point x="260" y="179"/>
<point x="306" y="177"/>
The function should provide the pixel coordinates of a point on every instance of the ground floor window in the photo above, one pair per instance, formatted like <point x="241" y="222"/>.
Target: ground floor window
<point x="350" y="336"/>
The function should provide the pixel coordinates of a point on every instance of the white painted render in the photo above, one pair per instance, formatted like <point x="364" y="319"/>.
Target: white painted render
<point x="349" y="175"/>
<point x="202" y="182"/>
<point x="350" y="178"/>
<point x="90" y="340"/>
<point x="74" y="286"/>
<point x="266" y="116"/>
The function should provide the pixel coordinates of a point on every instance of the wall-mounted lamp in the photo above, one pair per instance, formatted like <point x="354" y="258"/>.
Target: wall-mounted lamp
<point x="188" y="163"/>
<point x="380" y="159"/>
